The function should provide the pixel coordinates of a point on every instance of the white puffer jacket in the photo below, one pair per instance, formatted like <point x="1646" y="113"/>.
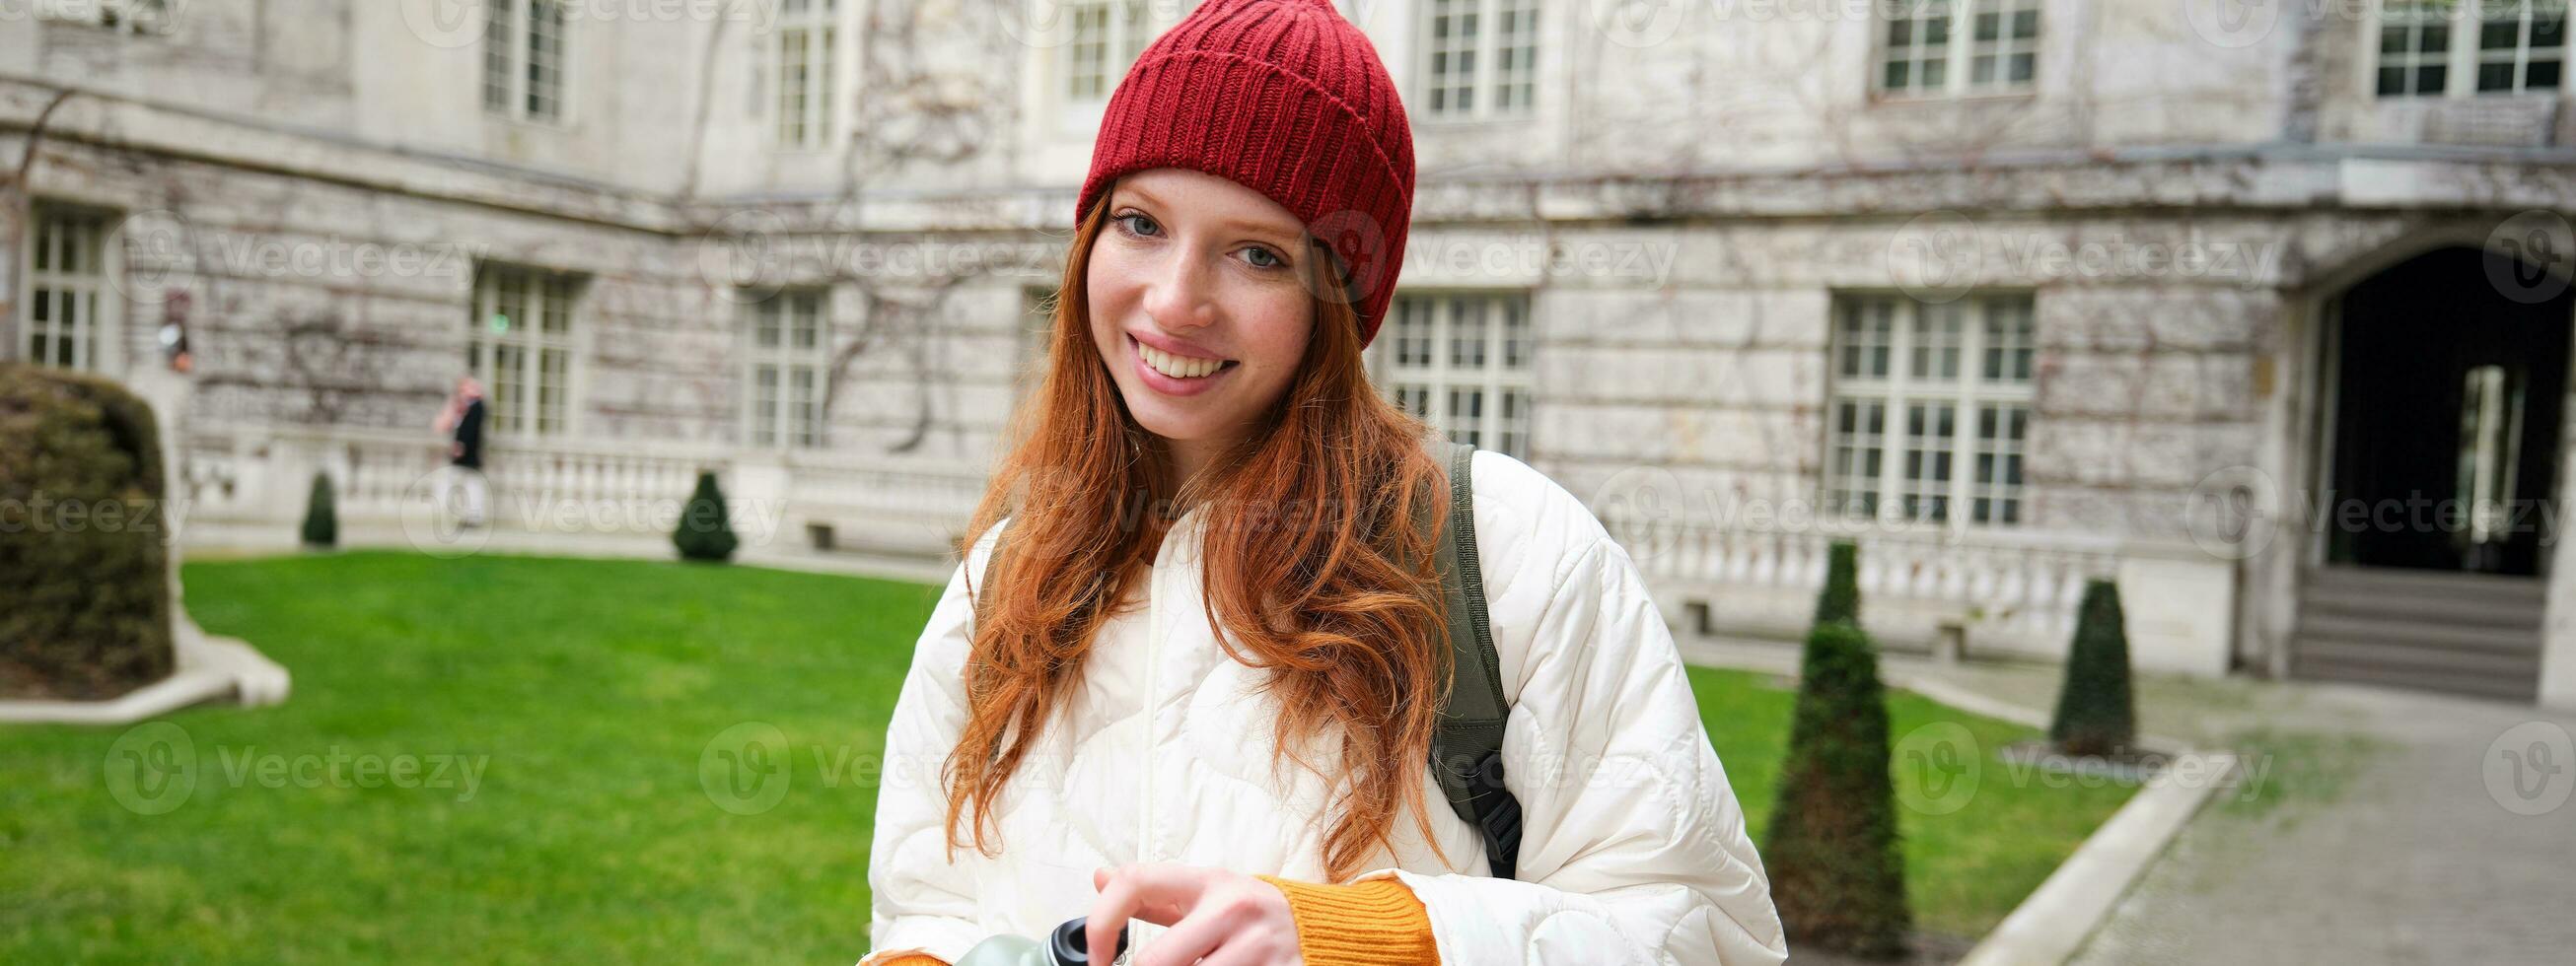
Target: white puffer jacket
<point x="1633" y="848"/>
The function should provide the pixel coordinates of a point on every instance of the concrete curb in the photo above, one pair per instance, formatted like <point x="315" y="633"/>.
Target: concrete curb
<point x="209" y="668"/>
<point x="2052" y="925"/>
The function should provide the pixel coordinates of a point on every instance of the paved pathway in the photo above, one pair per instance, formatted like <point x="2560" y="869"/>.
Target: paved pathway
<point x="2367" y="830"/>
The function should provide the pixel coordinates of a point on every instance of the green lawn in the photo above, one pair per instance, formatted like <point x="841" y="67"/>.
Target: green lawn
<point x="589" y="692"/>
<point x="1973" y="848"/>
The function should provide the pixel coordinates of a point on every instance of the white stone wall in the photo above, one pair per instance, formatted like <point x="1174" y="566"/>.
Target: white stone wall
<point x="1684" y="208"/>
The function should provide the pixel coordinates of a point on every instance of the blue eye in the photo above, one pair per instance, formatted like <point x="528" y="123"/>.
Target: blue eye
<point x="1138" y="225"/>
<point x="1264" y="258"/>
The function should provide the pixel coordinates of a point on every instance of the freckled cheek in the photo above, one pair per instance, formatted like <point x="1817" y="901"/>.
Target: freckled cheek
<point x="1110" y="299"/>
<point x="1282" y="334"/>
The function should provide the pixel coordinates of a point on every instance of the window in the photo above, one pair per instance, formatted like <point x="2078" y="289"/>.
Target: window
<point x="519" y="341"/>
<point x="129" y="16"/>
<point x="2431" y="48"/>
<point x="801" y="50"/>
<point x="1481" y="57"/>
<point x="786" y="345"/>
<point x="1921" y="53"/>
<point x="523" y="59"/>
<point x="1102" y="29"/>
<point x="1462" y="363"/>
<point x="68" y="318"/>
<point x="1931" y="409"/>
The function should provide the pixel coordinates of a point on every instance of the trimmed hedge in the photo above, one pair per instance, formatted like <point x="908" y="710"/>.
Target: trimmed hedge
<point x="2097" y="711"/>
<point x="84" y="567"/>
<point x="705" y="533"/>
<point x="1837" y="874"/>
<point x="1840" y="600"/>
<point x="321" y="516"/>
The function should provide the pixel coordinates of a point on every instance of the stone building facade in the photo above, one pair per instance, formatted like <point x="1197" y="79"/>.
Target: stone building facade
<point x="2016" y="293"/>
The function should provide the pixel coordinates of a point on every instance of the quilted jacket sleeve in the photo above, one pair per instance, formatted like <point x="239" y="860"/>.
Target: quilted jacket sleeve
<point x="918" y="901"/>
<point x="1633" y="847"/>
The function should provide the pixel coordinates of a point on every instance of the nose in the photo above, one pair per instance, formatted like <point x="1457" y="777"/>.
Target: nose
<point x="1182" y="294"/>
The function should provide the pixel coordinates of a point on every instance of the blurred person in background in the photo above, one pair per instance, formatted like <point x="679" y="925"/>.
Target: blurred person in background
<point x="461" y="419"/>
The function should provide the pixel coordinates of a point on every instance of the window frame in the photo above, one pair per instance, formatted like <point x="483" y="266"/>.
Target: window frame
<point x="819" y="26"/>
<point x="1962" y="48"/>
<point x="2462" y="54"/>
<point x="1486" y="81"/>
<point x="509" y="415"/>
<point x="160" y="21"/>
<point x="1122" y="41"/>
<point x="780" y="429"/>
<point x="1968" y="395"/>
<point x="507" y="22"/>
<point x="98" y="341"/>
<point x="1440" y="375"/>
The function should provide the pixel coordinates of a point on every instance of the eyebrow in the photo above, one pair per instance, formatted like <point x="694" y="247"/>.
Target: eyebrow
<point x="1259" y="231"/>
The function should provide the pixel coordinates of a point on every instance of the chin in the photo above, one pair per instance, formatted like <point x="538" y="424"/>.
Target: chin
<point x="1172" y="426"/>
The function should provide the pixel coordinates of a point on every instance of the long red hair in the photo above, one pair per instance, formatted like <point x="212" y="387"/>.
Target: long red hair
<point x="1314" y="569"/>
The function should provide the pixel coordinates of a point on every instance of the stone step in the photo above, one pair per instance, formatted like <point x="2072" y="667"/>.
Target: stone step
<point x="2434" y="586"/>
<point x="2410" y="657"/>
<point x="2419" y="632"/>
<point x="2521" y="687"/>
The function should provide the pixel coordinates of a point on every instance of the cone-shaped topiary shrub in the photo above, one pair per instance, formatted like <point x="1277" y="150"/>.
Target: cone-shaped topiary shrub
<point x="2096" y="714"/>
<point x="1836" y="871"/>
<point x="321" y="518"/>
<point x="704" y="532"/>
<point x="1840" y="600"/>
<point x="84" y="565"/>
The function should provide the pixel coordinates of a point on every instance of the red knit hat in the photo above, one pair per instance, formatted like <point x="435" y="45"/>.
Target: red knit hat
<point x="1286" y="98"/>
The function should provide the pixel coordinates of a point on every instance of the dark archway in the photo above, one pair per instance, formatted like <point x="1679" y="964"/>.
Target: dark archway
<point x="2450" y="381"/>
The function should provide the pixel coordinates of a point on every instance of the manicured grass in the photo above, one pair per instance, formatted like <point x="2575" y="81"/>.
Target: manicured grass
<point x="590" y="692"/>
<point x="592" y="686"/>
<point x="1974" y="846"/>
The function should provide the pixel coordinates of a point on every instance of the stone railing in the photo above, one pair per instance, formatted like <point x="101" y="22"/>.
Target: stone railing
<point x="248" y="485"/>
<point x="2002" y="590"/>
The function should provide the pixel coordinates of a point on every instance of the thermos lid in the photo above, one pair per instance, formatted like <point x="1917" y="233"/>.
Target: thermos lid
<point x="1071" y="944"/>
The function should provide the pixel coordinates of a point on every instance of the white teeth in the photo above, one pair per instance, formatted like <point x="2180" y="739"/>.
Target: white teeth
<point x="1177" y="367"/>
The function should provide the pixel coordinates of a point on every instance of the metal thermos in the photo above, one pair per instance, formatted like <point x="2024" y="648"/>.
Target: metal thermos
<point x="1067" y="946"/>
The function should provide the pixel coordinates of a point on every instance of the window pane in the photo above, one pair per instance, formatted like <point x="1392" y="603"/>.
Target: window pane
<point x="808" y="323"/>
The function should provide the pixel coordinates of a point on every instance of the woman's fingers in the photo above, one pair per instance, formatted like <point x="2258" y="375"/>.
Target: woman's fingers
<point x="1197" y="934"/>
<point x="1161" y="893"/>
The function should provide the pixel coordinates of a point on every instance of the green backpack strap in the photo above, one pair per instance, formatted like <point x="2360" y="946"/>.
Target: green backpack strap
<point x="1466" y="751"/>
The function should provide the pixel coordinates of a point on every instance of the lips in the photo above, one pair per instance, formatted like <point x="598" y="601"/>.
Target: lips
<point x="1176" y="365"/>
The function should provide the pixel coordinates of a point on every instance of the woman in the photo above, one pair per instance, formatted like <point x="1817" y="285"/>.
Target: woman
<point x="1189" y="672"/>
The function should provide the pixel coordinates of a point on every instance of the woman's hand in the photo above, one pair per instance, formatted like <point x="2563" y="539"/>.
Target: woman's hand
<point x="1219" y="917"/>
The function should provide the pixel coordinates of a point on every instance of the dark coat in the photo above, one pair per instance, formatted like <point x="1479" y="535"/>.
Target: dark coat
<point x="469" y="436"/>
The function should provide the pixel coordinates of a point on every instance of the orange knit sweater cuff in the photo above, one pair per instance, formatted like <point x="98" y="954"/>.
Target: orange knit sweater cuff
<point x="1374" y="923"/>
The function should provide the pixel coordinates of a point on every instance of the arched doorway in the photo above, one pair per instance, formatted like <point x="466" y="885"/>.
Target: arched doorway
<point x="2447" y="386"/>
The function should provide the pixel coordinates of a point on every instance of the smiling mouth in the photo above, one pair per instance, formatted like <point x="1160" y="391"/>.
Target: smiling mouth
<point x="1178" y="366"/>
